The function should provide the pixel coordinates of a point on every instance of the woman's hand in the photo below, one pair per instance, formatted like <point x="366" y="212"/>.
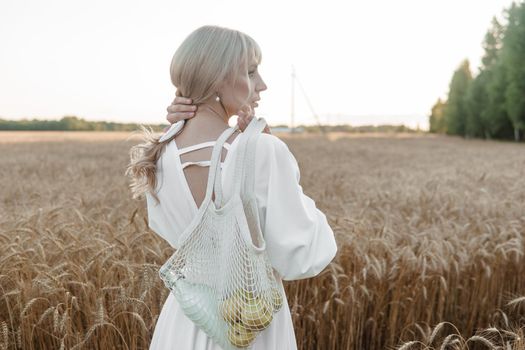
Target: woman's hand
<point x="181" y="108"/>
<point x="246" y="114"/>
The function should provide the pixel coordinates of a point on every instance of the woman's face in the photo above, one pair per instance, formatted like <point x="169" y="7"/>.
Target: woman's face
<point x="246" y="90"/>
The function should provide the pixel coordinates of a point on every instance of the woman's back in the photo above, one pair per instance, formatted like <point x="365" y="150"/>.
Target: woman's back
<point x="195" y="144"/>
<point x="182" y="175"/>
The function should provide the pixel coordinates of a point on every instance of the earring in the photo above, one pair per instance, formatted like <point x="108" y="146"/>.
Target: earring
<point x="217" y="98"/>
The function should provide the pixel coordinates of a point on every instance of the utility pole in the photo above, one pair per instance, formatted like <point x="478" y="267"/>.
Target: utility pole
<point x="293" y="94"/>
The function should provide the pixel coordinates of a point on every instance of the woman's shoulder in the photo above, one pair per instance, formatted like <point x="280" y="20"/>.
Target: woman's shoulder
<point x="272" y="150"/>
<point x="271" y="143"/>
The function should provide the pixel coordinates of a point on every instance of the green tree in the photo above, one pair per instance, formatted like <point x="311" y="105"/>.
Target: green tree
<point x="437" y="118"/>
<point x="513" y="55"/>
<point x="492" y="44"/>
<point x="455" y="110"/>
<point x="491" y="118"/>
<point x="495" y="116"/>
<point x="475" y="102"/>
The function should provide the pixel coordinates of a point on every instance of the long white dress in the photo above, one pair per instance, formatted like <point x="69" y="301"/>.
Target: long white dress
<point x="299" y="241"/>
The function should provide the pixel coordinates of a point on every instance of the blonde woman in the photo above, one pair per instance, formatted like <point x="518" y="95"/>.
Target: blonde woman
<point x="215" y="69"/>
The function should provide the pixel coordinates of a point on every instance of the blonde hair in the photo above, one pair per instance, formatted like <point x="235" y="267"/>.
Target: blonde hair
<point x="209" y="56"/>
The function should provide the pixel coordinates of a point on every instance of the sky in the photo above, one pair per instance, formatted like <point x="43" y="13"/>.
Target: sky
<point x="359" y="62"/>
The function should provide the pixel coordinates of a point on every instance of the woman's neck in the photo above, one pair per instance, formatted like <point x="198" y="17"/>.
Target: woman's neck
<point x="204" y="125"/>
<point x="204" y="120"/>
<point x="213" y="108"/>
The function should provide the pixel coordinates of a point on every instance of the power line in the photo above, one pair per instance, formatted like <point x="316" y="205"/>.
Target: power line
<point x="295" y="78"/>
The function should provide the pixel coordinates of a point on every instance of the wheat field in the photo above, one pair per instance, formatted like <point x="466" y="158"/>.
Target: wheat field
<point x="430" y="229"/>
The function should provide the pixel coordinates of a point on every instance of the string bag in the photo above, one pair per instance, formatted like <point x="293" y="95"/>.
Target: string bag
<point x="221" y="275"/>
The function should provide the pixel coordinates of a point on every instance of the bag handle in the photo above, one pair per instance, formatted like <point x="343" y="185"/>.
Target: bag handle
<point x="214" y="172"/>
<point x="214" y="179"/>
<point x="248" y="177"/>
<point x="244" y="164"/>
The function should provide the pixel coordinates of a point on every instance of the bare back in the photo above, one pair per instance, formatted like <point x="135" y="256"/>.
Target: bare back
<point x="202" y="135"/>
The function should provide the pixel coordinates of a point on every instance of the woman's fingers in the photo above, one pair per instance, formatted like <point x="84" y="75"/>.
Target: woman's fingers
<point x="241" y="124"/>
<point x="181" y="108"/>
<point x="178" y="108"/>
<point x="181" y="100"/>
<point x="246" y="113"/>
<point x="244" y="118"/>
<point x="178" y="116"/>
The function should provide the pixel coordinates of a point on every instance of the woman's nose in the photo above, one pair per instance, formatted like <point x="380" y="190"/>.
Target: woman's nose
<point x="262" y="86"/>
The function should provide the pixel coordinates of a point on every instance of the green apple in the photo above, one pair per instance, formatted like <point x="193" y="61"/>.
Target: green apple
<point x="231" y="308"/>
<point x="277" y="299"/>
<point x="240" y="336"/>
<point x="256" y="314"/>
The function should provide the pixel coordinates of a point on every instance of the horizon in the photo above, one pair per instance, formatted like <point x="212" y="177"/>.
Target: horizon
<point x="331" y="121"/>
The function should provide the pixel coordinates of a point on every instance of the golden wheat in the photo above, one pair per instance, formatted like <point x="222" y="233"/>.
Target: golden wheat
<point x="430" y="229"/>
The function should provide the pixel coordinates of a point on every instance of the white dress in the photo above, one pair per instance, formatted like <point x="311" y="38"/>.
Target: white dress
<point x="299" y="241"/>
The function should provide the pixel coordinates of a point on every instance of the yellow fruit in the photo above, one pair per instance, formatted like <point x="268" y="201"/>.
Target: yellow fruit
<point x="248" y="295"/>
<point x="256" y="314"/>
<point x="231" y="308"/>
<point x="277" y="299"/>
<point x="240" y="336"/>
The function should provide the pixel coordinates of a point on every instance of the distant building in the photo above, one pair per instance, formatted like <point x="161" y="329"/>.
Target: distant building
<point x="299" y="129"/>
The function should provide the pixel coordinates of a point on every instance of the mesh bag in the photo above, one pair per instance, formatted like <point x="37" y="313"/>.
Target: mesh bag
<point x="220" y="274"/>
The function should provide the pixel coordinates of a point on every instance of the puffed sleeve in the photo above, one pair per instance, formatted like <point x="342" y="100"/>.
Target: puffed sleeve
<point x="299" y="241"/>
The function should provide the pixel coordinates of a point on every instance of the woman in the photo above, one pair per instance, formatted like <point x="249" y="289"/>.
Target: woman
<point x="216" y="68"/>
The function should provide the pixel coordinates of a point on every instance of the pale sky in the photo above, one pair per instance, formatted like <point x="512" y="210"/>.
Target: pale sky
<point x="360" y="62"/>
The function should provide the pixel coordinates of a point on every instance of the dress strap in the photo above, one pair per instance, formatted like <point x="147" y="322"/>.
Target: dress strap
<point x="199" y="163"/>
<point x="201" y="145"/>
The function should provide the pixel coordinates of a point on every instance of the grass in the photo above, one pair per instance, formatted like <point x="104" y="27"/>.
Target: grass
<point x="430" y="229"/>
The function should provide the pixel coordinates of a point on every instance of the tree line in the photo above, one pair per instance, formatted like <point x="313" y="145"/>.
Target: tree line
<point x="490" y="105"/>
<point x="71" y="123"/>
